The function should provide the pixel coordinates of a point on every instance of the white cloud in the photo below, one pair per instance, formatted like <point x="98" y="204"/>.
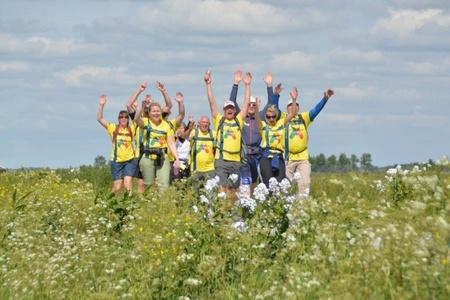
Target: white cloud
<point x="240" y="16"/>
<point x="14" y="66"/>
<point x="352" y="92"/>
<point x="45" y="46"/>
<point x="88" y="75"/>
<point x="404" y="24"/>
<point x="293" y="60"/>
<point x="355" y="55"/>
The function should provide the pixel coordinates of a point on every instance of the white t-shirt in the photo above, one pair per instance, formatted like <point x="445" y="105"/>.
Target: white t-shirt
<point x="183" y="149"/>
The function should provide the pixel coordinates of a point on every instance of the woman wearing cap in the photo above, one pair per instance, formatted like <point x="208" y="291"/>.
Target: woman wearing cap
<point x="123" y="165"/>
<point x="273" y="135"/>
<point x="228" y="133"/>
<point x="296" y="144"/>
<point x="158" y="138"/>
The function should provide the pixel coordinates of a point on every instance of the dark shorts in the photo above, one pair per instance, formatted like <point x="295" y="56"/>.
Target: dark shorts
<point x="224" y="169"/>
<point x="250" y="168"/>
<point x="120" y="170"/>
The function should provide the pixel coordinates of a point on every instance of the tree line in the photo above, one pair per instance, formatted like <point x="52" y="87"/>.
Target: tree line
<point x="341" y="163"/>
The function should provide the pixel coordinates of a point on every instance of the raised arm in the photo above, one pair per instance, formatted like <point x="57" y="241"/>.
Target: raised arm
<point x="181" y="110"/>
<point x="190" y="125"/>
<point x="212" y="101"/>
<point x="234" y="90"/>
<point x="160" y="86"/>
<point x="247" y="92"/>
<point x="101" y="105"/>
<point x="257" y="116"/>
<point x="132" y="101"/>
<point x="138" y="116"/>
<point x="316" y="109"/>
<point x="294" y="111"/>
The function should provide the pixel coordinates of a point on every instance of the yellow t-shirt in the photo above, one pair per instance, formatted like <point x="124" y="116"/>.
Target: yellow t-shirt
<point x="173" y="125"/>
<point x="231" y="138"/>
<point x="204" y="151"/>
<point x="136" y="142"/>
<point x="298" y="137"/>
<point x="275" y="135"/>
<point x="122" y="148"/>
<point x="158" y="134"/>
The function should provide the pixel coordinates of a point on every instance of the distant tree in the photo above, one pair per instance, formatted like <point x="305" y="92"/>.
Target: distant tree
<point x="100" y="161"/>
<point x="354" y="160"/>
<point x="344" y="162"/>
<point x="332" y="163"/>
<point x="320" y="162"/>
<point x="366" y="161"/>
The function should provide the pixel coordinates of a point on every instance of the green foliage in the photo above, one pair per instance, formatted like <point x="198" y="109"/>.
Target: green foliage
<point x="357" y="236"/>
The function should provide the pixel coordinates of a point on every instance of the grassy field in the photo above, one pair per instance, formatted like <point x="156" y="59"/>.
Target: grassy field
<point x="358" y="236"/>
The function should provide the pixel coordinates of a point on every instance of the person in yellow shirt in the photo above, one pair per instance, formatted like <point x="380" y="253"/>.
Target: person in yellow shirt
<point x="123" y="165"/>
<point x="298" y="168"/>
<point x="158" y="139"/>
<point x="202" y="149"/>
<point x="228" y="134"/>
<point x="272" y="142"/>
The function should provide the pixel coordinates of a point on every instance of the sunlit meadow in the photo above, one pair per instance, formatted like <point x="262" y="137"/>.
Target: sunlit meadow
<point x="359" y="235"/>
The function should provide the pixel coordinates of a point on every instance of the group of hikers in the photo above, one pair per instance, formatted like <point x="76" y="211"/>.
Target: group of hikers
<point x="249" y="142"/>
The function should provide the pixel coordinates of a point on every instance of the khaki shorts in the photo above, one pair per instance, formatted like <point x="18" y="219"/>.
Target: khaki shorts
<point x="303" y="168"/>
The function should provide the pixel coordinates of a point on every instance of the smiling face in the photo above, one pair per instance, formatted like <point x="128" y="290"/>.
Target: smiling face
<point x="203" y="124"/>
<point x="155" y="113"/>
<point x="229" y="112"/>
<point x="290" y="108"/>
<point x="123" y="119"/>
<point x="251" y="108"/>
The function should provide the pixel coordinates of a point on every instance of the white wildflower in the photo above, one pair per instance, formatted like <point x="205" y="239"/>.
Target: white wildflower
<point x="240" y="226"/>
<point x="234" y="178"/>
<point x="184" y="298"/>
<point x="273" y="186"/>
<point x="443" y="161"/>
<point x="260" y="192"/>
<point x="222" y="195"/>
<point x="376" y="243"/>
<point x="247" y="202"/>
<point x="392" y="171"/>
<point x="285" y="186"/>
<point x="203" y="199"/>
<point x="212" y="183"/>
<point x="194" y="208"/>
<point x="192" y="282"/>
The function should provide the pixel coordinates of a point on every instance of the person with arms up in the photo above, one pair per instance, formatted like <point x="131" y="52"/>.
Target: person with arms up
<point x="228" y="134"/>
<point x="298" y="168"/>
<point x="123" y="164"/>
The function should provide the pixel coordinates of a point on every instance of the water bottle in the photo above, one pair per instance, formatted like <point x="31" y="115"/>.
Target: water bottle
<point x="246" y="181"/>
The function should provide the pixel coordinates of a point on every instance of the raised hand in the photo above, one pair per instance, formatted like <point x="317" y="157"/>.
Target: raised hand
<point x="328" y="93"/>
<point x="278" y="89"/>
<point x="179" y="97"/>
<point x="207" y="77"/>
<point x="237" y="76"/>
<point x="268" y="79"/>
<point x="294" y="93"/>
<point x="191" y="119"/>
<point x="102" y="99"/>
<point x="160" y="86"/>
<point x="142" y="87"/>
<point x="247" y="78"/>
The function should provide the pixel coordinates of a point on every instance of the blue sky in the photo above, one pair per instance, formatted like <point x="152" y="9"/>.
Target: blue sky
<point x="388" y="62"/>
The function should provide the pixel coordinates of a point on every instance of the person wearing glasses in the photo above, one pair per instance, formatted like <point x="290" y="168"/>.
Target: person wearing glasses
<point x="296" y="144"/>
<point x="273" y="134"/>
<point x="228" y="134"/>
<point x="123" y="164"/>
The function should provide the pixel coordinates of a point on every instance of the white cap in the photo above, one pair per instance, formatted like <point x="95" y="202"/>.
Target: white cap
<point x="290" y="102"/>
<point x="228" y="103"/>
<point x="252" y="99"/>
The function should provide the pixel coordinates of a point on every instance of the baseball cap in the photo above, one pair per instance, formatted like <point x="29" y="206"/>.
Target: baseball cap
<point x="252" y="99"/>
<point x="228" y="103"/>
<point x="290" y="102"/>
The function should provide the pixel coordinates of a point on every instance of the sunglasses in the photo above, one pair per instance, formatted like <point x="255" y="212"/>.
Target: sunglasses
<point x="252" y="104"/>
<point x="123" y="117"/>
<point x="270" y="117"/>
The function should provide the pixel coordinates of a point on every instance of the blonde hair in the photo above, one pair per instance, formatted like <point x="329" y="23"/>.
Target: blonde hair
<point x="273" y="109"/>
